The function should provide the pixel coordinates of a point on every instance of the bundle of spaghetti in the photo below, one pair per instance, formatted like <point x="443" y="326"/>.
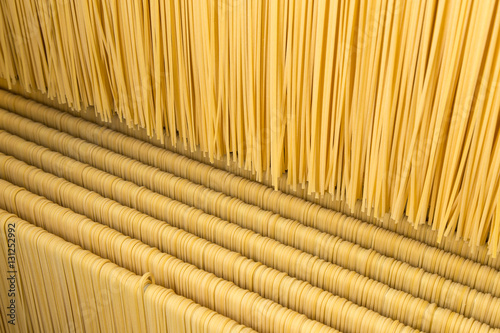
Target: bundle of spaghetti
<point x="104" y="180"/>
<point x="82" y="291"/>
<point x="92" y="133"/>
<point x="247" y="216"/>
<point x="228" y="183"/>
<point x="203" y="254"/>
<point x="394" y="273"/>
<point x="17" y="124"/>
<point x="322" y="219"/>
<point x="184" y="279"/>
<point x="394" y="103"/>
<point x="422" y="234"/>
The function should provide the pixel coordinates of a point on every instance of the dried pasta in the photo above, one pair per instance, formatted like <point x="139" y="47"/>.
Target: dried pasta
<point x="93" y="301"/>
<point x="395" y="274"/>
<point x="392" y="104"/>
<point x="240" y="166"/>
<point x="132" y="223"/>
<point x="425" y="257"/>
<point x="161" y="159"/>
